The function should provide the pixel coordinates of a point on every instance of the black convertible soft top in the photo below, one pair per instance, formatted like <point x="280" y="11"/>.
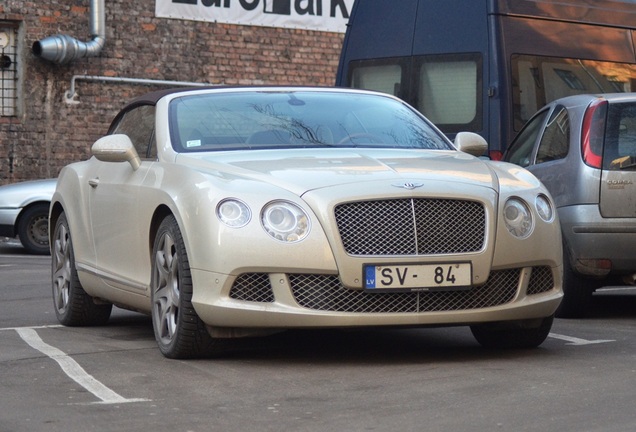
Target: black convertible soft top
<point x="152" y="98"/>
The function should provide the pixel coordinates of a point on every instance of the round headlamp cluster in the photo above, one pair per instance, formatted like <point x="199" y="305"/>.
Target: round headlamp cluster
<point x="518" y="217"/>
<point x="285" y="221"/>
<point x="282" y="220"/>
<point x="233" y="213"/>
<point x="544" y="208"/>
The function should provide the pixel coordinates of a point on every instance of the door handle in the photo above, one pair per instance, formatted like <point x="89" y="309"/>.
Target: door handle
<point x="94" y="182"/>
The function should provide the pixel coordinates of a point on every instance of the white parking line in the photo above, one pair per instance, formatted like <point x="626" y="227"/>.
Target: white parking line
<point x="577" y="341"/>
<point x="73" y="369"/>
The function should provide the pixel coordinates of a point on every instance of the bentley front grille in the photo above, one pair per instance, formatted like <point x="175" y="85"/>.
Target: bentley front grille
<point x="420" y="226"/>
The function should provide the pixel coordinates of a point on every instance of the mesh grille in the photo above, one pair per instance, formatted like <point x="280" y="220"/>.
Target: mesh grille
<point x="324" y="292"/>
<point x="252" y="287"/>
<point x="541" y="280"/>
<point x="411" y="226"/>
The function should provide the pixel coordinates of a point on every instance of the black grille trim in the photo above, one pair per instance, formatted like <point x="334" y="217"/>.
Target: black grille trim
<point x="253" y="287"/>
<point x="422" y="226"/>
<point x="541" y="280"/>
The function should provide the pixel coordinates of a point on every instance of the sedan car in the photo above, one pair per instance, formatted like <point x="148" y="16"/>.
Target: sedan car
<point x="24" y="212"/>
<point x="228" y="212"/>
<point x="583" y="148"/>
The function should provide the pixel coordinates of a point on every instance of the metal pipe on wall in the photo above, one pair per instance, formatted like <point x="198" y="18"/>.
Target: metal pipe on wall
<point x="63" y="49"/>
<point x="70" y="95"/>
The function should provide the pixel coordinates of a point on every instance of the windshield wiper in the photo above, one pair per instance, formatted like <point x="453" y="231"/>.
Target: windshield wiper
<point x="624" y="163"/>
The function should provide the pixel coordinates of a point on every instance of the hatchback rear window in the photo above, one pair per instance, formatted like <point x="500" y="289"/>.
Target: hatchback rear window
<point x="619" y="151"/>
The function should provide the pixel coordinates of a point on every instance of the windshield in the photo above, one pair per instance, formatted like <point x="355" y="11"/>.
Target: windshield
<point x="302" y="119"/>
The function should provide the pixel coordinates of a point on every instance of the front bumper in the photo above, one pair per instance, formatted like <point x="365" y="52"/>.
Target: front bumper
<point x="8" y="217"/>
<point x="279" y="300"/>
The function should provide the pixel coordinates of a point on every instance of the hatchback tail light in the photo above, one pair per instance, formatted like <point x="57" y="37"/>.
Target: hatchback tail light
<point x="593" y="133"/>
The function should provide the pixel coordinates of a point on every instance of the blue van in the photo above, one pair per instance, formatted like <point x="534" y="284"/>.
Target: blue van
<point x="487" y="65"/>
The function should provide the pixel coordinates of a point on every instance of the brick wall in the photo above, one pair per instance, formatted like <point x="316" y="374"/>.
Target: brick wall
<point x="48" y="133"/>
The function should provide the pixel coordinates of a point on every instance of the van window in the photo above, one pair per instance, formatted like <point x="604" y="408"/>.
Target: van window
<point x="385" y="78"/>
<point x="447" y="88"/>
<point x="539" y="80"/>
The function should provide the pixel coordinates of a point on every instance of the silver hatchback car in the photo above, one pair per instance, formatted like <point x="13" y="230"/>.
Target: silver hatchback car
<point x="583" y="148"/>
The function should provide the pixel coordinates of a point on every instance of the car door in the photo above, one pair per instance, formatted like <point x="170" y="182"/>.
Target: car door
<point x="121" y="243"/>
<point x="551" y="162"/>
<point x="523" y="148"/>
<point x="618" y="178"/>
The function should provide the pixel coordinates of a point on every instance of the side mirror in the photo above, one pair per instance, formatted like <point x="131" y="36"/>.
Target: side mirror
<point x="116" y="148"/>
<point x="471" y="143"/>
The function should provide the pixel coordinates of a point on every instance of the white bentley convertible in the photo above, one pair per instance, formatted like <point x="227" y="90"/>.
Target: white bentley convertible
<point x="225" y="212"/>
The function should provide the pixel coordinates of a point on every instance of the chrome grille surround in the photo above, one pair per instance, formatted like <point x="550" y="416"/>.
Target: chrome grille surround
<point x="419" y="226"/>
<point x="541" y="280"/>
<point x="325" y="293"/>
<point x="253" y="287"/>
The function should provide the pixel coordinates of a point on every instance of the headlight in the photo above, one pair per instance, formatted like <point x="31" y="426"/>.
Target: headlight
<point x="517" y="217"/>
<point x="544" y="208"/>
<point x="285" y="221"/>
<point x="233" y="213"/>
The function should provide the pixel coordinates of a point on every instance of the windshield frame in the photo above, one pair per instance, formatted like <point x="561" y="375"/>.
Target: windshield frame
<point x="297" y="118"/>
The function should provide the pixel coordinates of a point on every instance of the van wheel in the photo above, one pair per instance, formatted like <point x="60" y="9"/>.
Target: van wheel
<point x="577" y="291"/>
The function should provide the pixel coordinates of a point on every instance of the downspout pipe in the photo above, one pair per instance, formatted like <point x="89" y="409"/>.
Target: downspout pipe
<point x="64" y="49"/>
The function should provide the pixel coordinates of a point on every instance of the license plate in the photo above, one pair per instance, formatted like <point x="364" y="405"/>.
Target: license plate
<point x="418" y="277"/>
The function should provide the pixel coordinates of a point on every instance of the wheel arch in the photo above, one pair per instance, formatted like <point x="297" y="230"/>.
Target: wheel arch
<point x="158" y="216"/>
<point x="54" y="214"/>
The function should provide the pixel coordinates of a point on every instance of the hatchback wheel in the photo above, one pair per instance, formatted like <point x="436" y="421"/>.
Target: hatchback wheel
<point x="179" y="331"/>
<point x="577" y="291"/>
<point x="73" y="306"/>
<point x="514" y="334"/>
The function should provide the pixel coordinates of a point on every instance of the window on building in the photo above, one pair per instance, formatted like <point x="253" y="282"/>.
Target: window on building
<point x="8" y="70"/>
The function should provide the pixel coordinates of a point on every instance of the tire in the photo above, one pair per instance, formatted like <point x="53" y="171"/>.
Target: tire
<point x="179" y="331"/>
<point x="73" y="306"/>
<point x="577" y="291"/>
<point x="33" y="229"/>
<point x="513" y="334"/>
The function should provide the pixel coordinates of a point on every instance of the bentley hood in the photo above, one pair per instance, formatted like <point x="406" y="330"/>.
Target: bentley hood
<point x="303" y="170"/>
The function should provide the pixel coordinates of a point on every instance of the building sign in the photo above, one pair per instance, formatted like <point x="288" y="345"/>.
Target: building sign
<point x="322" y="15"/>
